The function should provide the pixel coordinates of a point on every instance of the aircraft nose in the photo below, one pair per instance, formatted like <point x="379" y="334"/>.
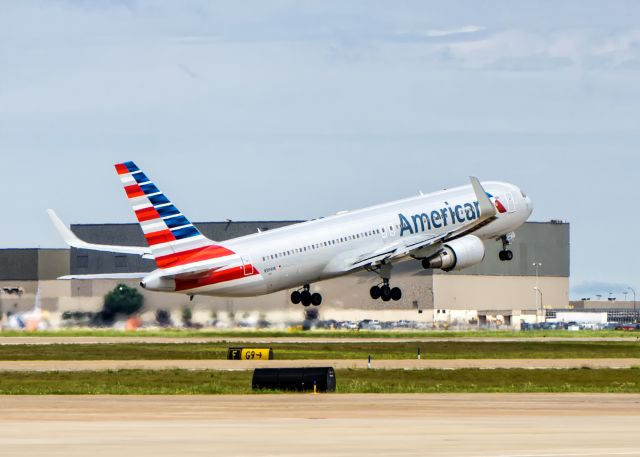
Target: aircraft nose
<point x="529" y="203"/>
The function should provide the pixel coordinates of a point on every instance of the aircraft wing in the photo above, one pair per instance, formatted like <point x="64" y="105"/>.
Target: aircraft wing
<point x="408" y="246"/>
<point x="72" y="240"/>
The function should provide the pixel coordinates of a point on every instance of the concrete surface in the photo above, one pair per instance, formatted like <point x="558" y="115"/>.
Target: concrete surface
<point x="407" y="364"/>
<point x="464" y="425"/>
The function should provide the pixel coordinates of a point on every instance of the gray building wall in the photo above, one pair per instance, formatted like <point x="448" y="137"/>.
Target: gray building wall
<point x="33" y="264"/>
<point x="19" y="264"/>
<point x="53" y="263"/>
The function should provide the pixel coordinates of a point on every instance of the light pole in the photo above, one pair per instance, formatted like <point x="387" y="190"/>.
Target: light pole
<point x="536" y="289"/>
<point x="433" y="308"/>
<point x="633" y="291"/>
<point x="540" y="292"/>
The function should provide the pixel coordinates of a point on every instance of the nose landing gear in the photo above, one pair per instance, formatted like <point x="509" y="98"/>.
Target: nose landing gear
<point x="506" y="255"/>
<point x="305" y="297"/>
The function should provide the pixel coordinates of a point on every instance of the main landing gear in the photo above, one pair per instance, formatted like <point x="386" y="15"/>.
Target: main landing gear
<point x="305" y="297"/>
<point x="384" y="291"/>
<point x="506" y="255"/>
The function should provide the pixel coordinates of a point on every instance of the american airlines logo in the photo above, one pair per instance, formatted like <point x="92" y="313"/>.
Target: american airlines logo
<point x="449" y="215"/>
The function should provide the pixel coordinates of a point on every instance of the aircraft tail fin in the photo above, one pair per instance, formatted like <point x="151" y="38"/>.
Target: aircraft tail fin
<point x="172" y="238"/>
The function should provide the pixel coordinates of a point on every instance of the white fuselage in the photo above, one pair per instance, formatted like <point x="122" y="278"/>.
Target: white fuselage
<point x="312" y="251"/>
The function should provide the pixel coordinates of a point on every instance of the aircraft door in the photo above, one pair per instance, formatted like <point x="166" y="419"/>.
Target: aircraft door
<point x="383" y="231"/>
<point x="511" y="204"/>
<point x="247" y="266"/>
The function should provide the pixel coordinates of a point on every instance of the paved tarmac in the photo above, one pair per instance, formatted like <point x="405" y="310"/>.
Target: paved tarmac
<point x="407" y="364"/>
<point x="463" y="425"/>
<point x="12" y="340"/>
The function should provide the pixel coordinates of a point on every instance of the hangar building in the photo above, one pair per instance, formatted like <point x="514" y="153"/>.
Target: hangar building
<point x="537" y="278"/>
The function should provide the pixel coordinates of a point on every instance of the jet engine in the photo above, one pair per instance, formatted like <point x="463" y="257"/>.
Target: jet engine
<point x="457" y="254"/>
<point x="158" y="284"/>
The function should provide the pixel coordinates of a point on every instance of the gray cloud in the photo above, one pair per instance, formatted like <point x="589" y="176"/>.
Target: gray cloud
<point x="603" y="288"/>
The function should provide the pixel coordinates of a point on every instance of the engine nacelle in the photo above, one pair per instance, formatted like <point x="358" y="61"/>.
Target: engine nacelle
<point x="158" y="284"/>
<point x="457" y="254"/>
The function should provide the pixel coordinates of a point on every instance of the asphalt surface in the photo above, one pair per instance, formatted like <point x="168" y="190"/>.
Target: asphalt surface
<point x="463" y="425"/>
<point x="407" y="364"/>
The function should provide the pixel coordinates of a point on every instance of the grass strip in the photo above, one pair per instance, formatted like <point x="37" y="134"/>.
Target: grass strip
<point x="187" y="333"/>
<point x="185" y="382"/>
<point x="338" y="350"/>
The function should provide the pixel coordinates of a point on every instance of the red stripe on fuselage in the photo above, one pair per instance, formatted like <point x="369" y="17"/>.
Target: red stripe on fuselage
<point x="133" y="191"/>
<point x="147" y="214"/>
<point x="215" y="277"/>
<point x="192" y="255"/>
<point x="163" y="236"/>
<point x="121" y="169"/>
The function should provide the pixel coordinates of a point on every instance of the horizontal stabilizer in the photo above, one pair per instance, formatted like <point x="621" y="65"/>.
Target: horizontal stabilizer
<point x="106" y="276"/>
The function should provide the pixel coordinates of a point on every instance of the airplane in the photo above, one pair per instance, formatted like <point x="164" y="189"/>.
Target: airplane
<point x="443" y="230"/>
<point x="34" y="319"/>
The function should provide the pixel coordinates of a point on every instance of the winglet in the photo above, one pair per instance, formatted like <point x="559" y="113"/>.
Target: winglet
<point x="65" y="232"/>
<point x="72" y="240"/>
<point x="487" y="209"/>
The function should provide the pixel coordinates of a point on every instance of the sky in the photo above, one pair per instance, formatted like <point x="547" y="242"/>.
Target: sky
<point x="299" y="109"/>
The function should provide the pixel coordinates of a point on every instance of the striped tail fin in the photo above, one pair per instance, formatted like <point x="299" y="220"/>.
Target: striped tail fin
<point x="172" y="238"/>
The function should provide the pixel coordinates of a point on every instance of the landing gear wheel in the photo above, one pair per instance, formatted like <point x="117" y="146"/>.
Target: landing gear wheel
<point x="396" y="294"/>
<point x="375" y="292"/>
<point x="506" y="256"/>
<point x="305" y="296"/>
<point x="296" y="297"/>
<point x="385" y="293"/>
<point x="316" y="299"/>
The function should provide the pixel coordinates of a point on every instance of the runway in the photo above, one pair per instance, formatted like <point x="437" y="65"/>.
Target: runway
<point x="407" y="364"/>
<point x="466" y="425"/>
<point x="12" y="340"/>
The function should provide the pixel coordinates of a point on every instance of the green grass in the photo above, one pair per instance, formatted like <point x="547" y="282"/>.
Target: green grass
<point x="333" y="350"/>
<point x="186" y="333"/>
<point x="185" y="382"/>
